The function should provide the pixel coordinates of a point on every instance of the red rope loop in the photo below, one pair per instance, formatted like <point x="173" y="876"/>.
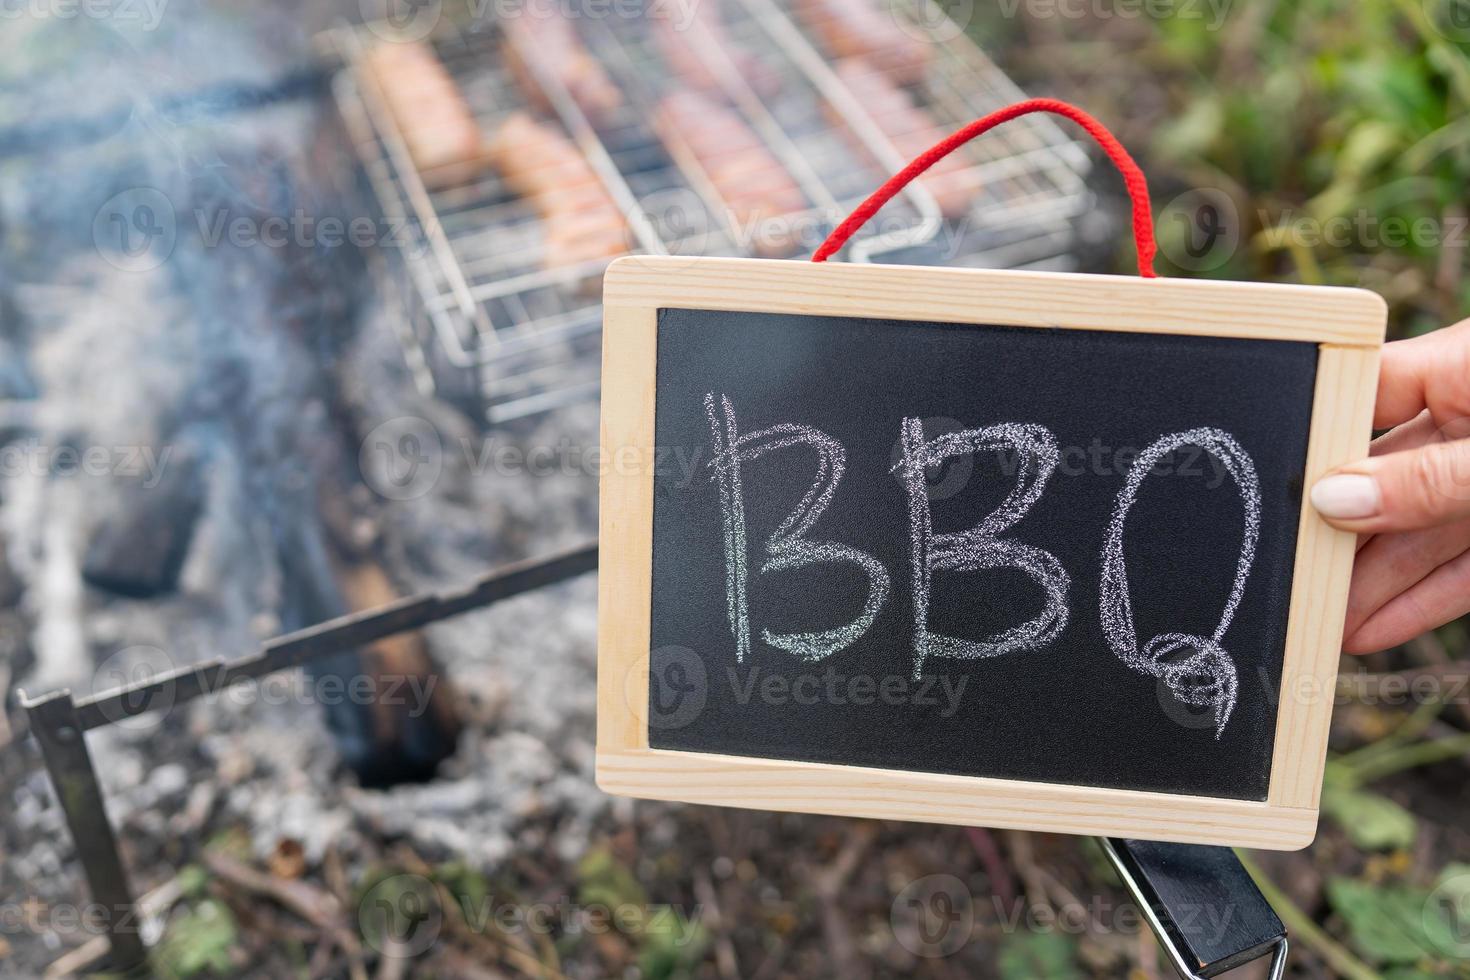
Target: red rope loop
<point x="1133" y="179"/>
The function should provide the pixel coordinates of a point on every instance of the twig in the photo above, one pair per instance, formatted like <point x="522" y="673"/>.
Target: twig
<point x="1411" y="756"/>
<point x="395" y="959"/>
<point x="318" y="907"/>
<point x="1411" y="728"/>
<point x="322" y="958"/>
<point x="1431" y="648"/>
<point x="774" y="961"/>
<point x="512" y="947"/>
<point x="995" y="866"/>
<point x="829" y="884"/>
<point x="1018" y="843"/>
<point x="725" y="961"/>
<point x="150" y="905"/>
<point x="78" y="961"/>
<point x="463" y="967"/>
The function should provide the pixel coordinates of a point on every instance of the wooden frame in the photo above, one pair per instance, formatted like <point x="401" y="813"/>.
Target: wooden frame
<point x="1347" y="324"/>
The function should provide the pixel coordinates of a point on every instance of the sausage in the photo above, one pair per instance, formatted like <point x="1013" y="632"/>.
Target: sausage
<point x="952" y="180"/>
<point x="581" y="220"/>
<point x="746" y="176"/>
<point x="443" y="139"/>
<point x="857" y="29"/>
<point x="549" y="42"/>
<point x="686" y="31"/>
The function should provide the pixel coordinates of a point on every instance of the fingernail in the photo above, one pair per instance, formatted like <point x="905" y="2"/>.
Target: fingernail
<point x="1346" y="497"/>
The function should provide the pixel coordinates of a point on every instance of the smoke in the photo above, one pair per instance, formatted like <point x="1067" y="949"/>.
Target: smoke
<point x="166" y="392"/>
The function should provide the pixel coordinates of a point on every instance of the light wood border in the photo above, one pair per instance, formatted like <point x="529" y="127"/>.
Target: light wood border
<point x="1348" y="324"/>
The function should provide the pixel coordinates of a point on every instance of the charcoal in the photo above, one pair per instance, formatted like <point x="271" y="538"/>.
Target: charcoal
<point x="140" y="550"/>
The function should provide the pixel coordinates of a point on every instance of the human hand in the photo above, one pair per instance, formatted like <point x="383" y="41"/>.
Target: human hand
<point x="1409" y="501"/>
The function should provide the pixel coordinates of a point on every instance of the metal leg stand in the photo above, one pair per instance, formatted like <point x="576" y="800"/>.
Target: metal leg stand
<point x="53" y="719"/>
<point x="60" y="723"/>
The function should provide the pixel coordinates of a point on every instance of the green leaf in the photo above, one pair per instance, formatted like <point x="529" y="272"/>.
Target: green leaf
<point x="604" y="880"/>
<point x="1410" y="973"/>
<point x="1027" y="955"/>
<point x="1455" y="881"/>
<point x="1447" y="920"/>
<point x="671" y="943"/>
<point x="1193" y="132"/>
<point x="1372" y="822"/>
<point x="198" y="941"/>
<point x="1388" y="924"/>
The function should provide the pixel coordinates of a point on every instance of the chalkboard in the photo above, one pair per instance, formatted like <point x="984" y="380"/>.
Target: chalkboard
<point x="893" y="535"/>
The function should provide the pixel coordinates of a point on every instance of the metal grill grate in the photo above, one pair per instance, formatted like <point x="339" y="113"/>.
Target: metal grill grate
<point x="490" y="325"/>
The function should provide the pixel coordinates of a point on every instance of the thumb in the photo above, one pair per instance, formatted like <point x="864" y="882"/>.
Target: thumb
<point x="1402" y="491"/>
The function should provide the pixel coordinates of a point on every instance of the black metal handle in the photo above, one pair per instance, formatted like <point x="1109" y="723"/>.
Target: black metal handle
<point x="1202" y="905"/>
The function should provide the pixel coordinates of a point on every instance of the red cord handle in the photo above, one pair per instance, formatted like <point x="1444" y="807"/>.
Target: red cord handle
<point x="1143" y="221"/>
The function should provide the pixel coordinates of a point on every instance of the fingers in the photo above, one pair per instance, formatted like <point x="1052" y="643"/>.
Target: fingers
<point x="1392" y="564"/>
<point x="1412" y="572"/>
<point x="1406" y="490"/>
<point x="1410" y="435"/>
<point x="1418" y="431"/>
<point x="1429" y="372"/>
<point x="1439" y="598"/>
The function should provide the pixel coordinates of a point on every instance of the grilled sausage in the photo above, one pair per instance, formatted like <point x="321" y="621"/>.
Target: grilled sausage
<point x="857" y="29"/>
<point x="688" y="31"/>
<point x="444" y="141"/>
<point x="581" y="220"/>
<point x="538" y="43"/>
<point x="745" y="175"/>
<point x="953" y="180"/>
